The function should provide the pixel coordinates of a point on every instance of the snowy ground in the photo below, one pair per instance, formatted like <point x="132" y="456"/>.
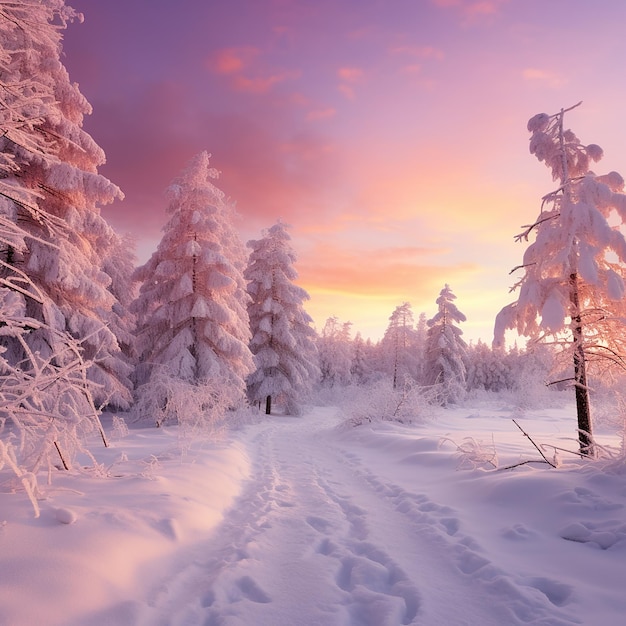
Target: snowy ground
<point x="296" y="522"/>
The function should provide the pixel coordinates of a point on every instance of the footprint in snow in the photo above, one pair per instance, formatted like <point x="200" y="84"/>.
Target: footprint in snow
<point x="252" y="591"/>
<point x="318" y="523"/>
<point x="589" y="499"/>
<point x="517" y="532"/>
<point x="381" y="591"/>
<point x="326" y="547"/>
<point x="604" y="535"/>
<point x="558" y="593"/>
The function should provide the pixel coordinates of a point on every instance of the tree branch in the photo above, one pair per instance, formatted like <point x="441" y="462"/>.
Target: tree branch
<point x="529" y="227"/>
<point x="534" y="444"/>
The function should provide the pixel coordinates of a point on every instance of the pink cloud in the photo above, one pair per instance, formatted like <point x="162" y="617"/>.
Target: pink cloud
<point x="299" y="99"/>
<point x="472" y="9"/>
<point x="413" y="68"/>
<point x="321" y="114"/>
<point x="350" y="74"/>
<point x="544" y="77"/>
<point x="261" y="84"/>
<point x="349" y="77"/>
<point x="232" y="60"/>
<point x="346" y="91"/>
<point x="419" y="52"/>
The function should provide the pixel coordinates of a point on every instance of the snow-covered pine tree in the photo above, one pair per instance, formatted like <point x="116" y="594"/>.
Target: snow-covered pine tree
<point x="191" y="313"/>
<point x="572" y="289"/>
<point x="488" y="369"/>
<point x="421" y="333"/>
<point x="398" y="345"/>
<point x="51" y="187"/>
<point x="446" y="352"/>
<point x="334" y="348"/>
<point x="283" y="341"/>
<point x="363" y="366"/>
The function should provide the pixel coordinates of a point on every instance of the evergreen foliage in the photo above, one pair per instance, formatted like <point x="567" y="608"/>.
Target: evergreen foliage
<point x="446" y="352"/>
<point x="283" y="340"/>
<point x="50" y="186"/>
<point x="191" y="309"/>
<point x="399" y="346"/>
<point x="335" y="353"/>
<point x="572" y="288"/>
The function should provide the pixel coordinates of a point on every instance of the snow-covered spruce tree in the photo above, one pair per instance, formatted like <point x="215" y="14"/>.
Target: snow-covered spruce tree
<point x="399" y="346"/>
<point x="191" y="311"/>
<point x="488" y="369"/>
<point x="363" y="366"/>
<point x="572" y="288"/>
<point x="51" y="188"/>
<point x="45" y="398"/>
<point x="446" y="352"/>
<point x="283" y="341"/>
<point x="334" y="348"/>
<point x="421" y="333"/>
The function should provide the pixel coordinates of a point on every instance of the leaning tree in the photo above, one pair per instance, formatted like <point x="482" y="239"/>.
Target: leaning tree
<point x="571" y="291"/>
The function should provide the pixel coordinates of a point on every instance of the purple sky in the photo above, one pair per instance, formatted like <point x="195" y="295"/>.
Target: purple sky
<point x="389" y="133"/>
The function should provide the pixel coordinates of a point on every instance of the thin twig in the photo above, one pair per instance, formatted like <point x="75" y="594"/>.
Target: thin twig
<point x="500" y="469"/>
<point x="534" y="444"/>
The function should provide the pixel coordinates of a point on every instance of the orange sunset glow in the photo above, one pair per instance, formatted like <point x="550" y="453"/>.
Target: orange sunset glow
<point x="391" y="135"/>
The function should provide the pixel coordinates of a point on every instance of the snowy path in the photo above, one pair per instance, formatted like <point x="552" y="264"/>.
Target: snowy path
<point x="319" y="536"/>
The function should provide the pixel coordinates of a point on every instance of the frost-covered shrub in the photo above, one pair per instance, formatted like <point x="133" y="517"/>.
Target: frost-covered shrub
<point x="198" y="408"/>
<point x="473" y="454"/>
<point x="338" y="395"/>
<point x="28" y="481"/>
<point x="119" y="428"/>
<point x="46" y="404"/>
<point x="407" y="404"/>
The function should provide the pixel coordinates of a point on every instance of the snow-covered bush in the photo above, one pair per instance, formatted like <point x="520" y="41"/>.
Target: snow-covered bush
<point x="472" y="453"/>
<point x="199" y="409"/>
<point x="408" y="403"/>
<point x="46" y="404"/>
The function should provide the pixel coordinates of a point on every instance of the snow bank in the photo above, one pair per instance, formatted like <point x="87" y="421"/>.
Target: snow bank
<point x="369" y="525"/>
<point x="102" y="541"/>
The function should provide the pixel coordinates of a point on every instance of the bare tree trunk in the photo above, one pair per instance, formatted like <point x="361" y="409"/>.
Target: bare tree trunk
<point x="583" y="407"/>
<point x="268" y="405"/>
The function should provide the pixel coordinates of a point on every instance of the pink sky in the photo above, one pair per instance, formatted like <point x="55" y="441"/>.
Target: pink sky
<point x="390" y="134"/>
